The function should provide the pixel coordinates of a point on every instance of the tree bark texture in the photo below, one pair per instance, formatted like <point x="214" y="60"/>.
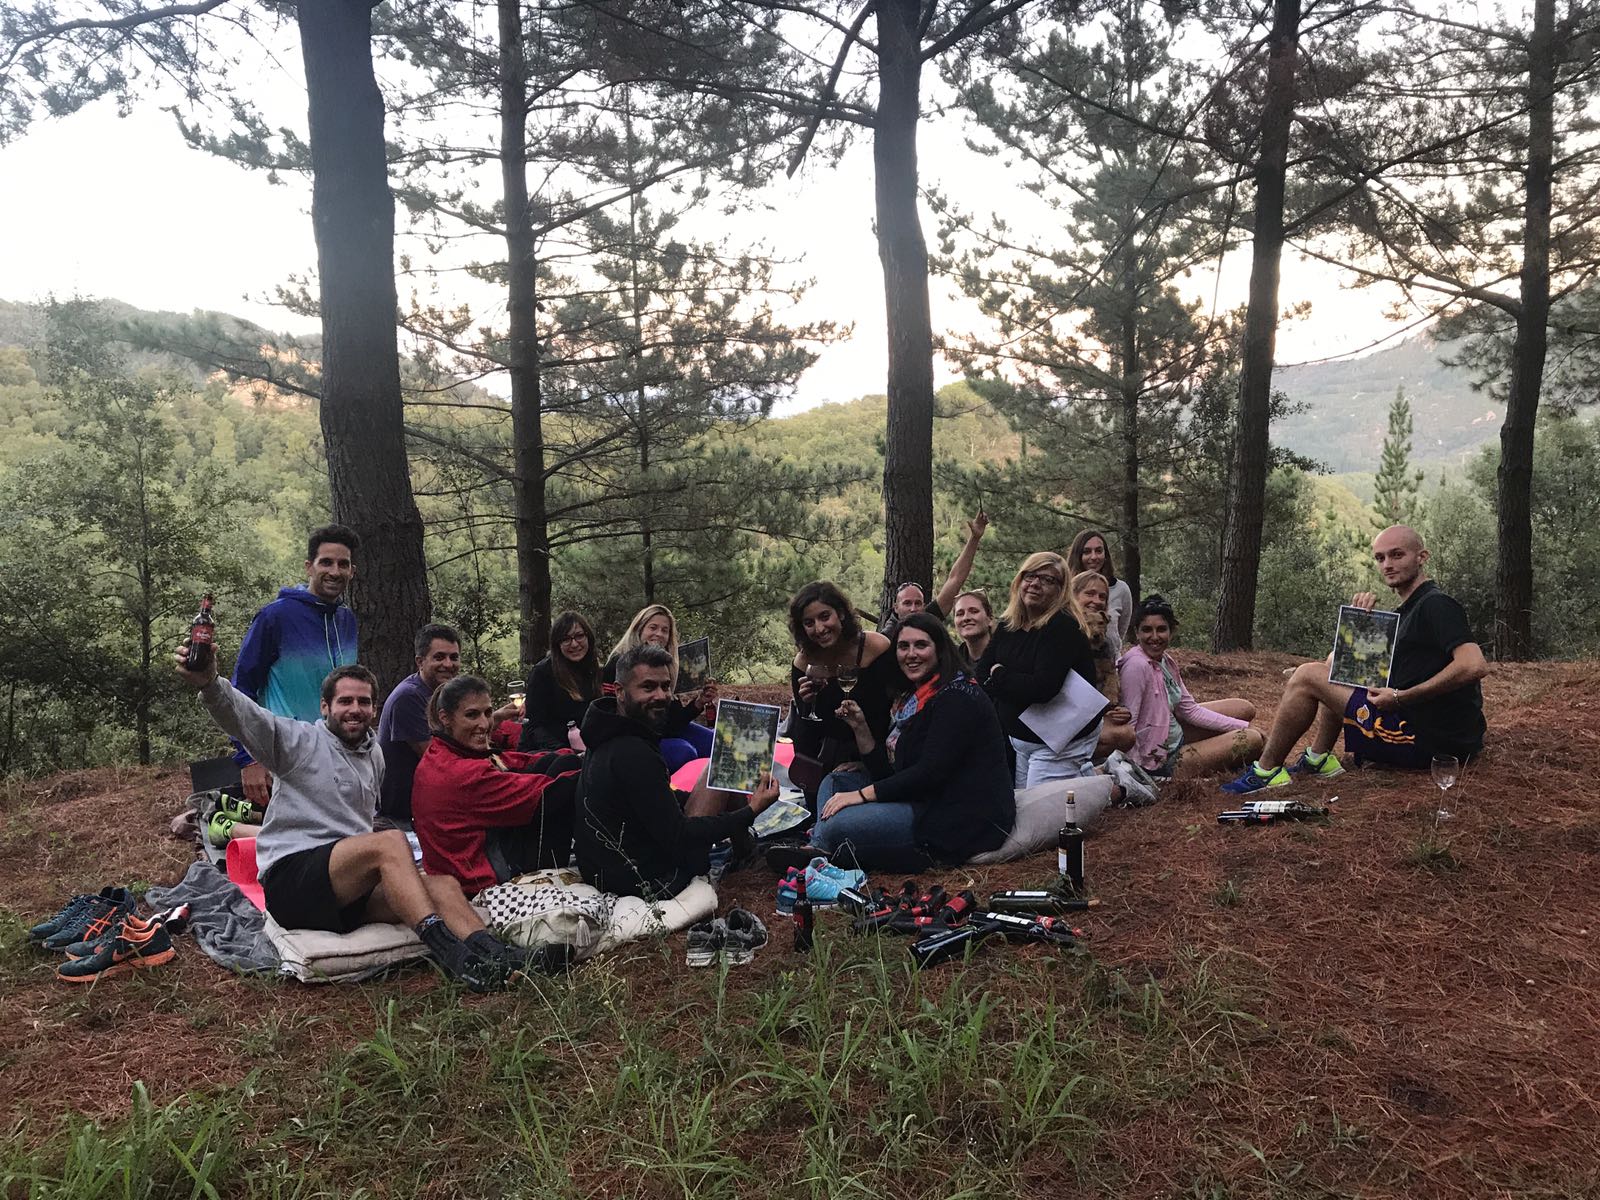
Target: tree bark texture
<point x="908" y="450"/>
<point x="1247" y="475"/>
<point x="522" y="347"/>
<point x="1513" y="605"/>
<point x="1132" y="380"/>
<point x="352" y="213"/>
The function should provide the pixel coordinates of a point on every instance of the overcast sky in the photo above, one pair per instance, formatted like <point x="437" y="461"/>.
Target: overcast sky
<point x="101" y="205"/>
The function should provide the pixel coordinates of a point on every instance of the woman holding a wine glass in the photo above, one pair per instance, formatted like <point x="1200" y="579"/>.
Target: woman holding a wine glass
<point x="834" y="658"/>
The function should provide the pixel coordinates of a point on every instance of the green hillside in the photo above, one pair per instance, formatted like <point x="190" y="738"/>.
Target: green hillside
<point x="1347" y="407"/>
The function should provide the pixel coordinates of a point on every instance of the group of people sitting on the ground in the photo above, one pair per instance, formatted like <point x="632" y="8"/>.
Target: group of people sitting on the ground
<point x="911" y="745"/>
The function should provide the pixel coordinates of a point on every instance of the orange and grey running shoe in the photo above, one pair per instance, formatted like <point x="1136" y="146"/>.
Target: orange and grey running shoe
<point x="135" y="947"/>
<point x="175" y="919"/>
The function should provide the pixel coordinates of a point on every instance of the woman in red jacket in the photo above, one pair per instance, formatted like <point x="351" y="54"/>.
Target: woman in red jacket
<point x="488" y="816"/>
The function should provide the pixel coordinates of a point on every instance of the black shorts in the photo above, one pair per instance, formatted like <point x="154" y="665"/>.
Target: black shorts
<point x="299" y="894"/>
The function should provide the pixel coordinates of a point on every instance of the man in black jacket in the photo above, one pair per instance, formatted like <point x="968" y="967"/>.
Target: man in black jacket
<point x="636" y="836"/>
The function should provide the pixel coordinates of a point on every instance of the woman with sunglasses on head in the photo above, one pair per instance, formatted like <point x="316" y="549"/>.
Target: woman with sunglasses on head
<point x="1037" y="642"/>
<point x="561" y="687"/>
<point x="1177" y="737"/>
<point x="831" y="649"/>
<point x="684" y="739"/>
<point x="1091" y="552"/>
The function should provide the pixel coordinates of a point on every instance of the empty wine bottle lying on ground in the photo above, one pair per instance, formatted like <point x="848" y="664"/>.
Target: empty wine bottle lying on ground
<point x="1039" y="900"/>
<point x="940" y="947"/>
<point x="1264" y="812"/>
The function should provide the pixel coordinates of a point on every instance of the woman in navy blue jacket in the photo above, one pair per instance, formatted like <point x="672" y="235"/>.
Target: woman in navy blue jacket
<point x="937" y="788"/>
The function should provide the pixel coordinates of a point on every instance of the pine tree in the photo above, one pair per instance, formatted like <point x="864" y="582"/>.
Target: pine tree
<point x="1397" y="486"/>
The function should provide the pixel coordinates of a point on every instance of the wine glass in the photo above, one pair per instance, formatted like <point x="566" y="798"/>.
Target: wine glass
<point x="1445" y="769"/>
<point x="847" y="678"/>
<point x="819" y="675"/>
<point x="517" y="689"/>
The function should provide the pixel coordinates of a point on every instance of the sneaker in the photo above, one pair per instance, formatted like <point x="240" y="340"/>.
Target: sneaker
<point x="103" y="912"/>
<point x="131" y="950"/>
<point x="461" y="962"/>
<point x="503" y="958"/>
<point x="1326" y="769"/>
<point x="705" y="942"/>
<point x="176" y="920"/>
<point x="71" y="912"/>
<point x="219" y="830"/>
<point x="824" y="882"/>
<point x="788" y="891"/>
<point x="1138" y="785"/>
<point x="1254" y="780"/>
<point x="240" y="810"/>
<point x="743" y="934"/>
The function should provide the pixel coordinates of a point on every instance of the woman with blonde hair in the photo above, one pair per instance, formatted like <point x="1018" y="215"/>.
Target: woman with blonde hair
<point x="1037" y="642"/>
<point x="1089" y="595"/>
<point x="684" y="739"/>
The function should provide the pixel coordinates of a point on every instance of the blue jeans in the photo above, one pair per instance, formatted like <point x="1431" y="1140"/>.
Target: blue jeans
<point x="879" y="836"/>
<point x="1037" y="763"/>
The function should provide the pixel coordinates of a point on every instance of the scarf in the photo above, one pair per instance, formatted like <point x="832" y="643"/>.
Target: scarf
<point x="909" y="707"/>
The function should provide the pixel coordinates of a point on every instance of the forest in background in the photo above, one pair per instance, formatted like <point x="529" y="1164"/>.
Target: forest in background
<point x="130" y="482"/>
<point x="577" y="162"/>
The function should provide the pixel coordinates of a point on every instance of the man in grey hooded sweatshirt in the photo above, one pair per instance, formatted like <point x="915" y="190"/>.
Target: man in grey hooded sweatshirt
<point x="321" y="864"/>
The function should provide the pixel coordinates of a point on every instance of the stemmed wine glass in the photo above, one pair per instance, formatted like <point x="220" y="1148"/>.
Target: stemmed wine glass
<point x="1445" y="769"/>
<point x="819" y="675"/>
<point x="847" y="677"/>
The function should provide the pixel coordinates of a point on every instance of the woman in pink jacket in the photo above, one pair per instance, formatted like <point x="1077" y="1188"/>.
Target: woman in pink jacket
<point x="1175" y="736"/>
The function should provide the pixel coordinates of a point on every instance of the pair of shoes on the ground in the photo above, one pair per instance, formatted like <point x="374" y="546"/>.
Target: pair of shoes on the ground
<point x="133" y="944"/>
<point x="484" y="963"/>
<point x="86" y="915"/>
<point x="1255" y="779"/>
<point x="1138" y="785"/>
<point x="734" y="939"/>
<point x="823" y="880"/>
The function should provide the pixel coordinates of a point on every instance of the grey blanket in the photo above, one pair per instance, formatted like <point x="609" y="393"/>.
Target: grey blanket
<point x="230" y="929"/>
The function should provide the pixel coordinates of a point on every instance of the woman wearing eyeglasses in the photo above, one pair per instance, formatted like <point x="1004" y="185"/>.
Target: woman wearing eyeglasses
<point x="561" y="686"/>
<point x="1037" y="642"/>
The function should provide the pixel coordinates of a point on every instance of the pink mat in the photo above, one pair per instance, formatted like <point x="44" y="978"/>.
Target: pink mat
<point x="686" y="776"/>
<point x="242" y="870"/>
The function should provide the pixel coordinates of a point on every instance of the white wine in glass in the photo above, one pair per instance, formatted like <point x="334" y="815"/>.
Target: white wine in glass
<point x="1446" y="767"/>
<point x="847" y="679"/>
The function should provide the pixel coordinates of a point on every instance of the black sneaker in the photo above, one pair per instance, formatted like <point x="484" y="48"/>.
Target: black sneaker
<point x="705" y="942"/>
<point x="70" y="912"/>
<point x="551" y="959"/>
<point x="100" y="915"/>
<point x="461" y="962"/>
<point x="742" y="935"/>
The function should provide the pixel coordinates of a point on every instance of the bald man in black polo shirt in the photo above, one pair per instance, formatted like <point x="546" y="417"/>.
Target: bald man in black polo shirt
<point x="1433" y="706"/>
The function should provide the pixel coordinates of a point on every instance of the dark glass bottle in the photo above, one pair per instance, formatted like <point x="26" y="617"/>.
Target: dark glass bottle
<point x="1069" y="850"/>
<point x="804" y="919"/>
<point x="1038" y="900"/>
<point x="940" y="947"/>
<point x="202" y="636"/>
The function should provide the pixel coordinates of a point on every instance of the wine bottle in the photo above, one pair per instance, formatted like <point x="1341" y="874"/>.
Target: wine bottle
<point x="202" y="636"/>
<point x="1038" y="900"/>
<point x="1069" y="849"/>
<point x="804" y="919"/>
<point x="940" y="947"/>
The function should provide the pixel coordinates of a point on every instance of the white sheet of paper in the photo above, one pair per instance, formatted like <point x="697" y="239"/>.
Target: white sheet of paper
<point x="1061" y="721"/>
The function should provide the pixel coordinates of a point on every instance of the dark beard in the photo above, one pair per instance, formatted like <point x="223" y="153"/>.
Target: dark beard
<point x="652" y="716"/>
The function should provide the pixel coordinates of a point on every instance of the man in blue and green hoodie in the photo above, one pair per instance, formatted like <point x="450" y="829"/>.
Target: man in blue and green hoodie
<point x="295" y="641"/>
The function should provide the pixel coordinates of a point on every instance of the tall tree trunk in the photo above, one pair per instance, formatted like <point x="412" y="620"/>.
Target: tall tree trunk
<point x="1247" y="476"/>
<point x="1513" y="605"/>
<point x="522" y="348"/>
<point x="908" y="449"/>
<point x="1128" y="420"/>
<point x="352" y="213"/>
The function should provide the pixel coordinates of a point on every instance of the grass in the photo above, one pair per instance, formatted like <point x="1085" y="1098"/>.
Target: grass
<point x="848" y="1075"/>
